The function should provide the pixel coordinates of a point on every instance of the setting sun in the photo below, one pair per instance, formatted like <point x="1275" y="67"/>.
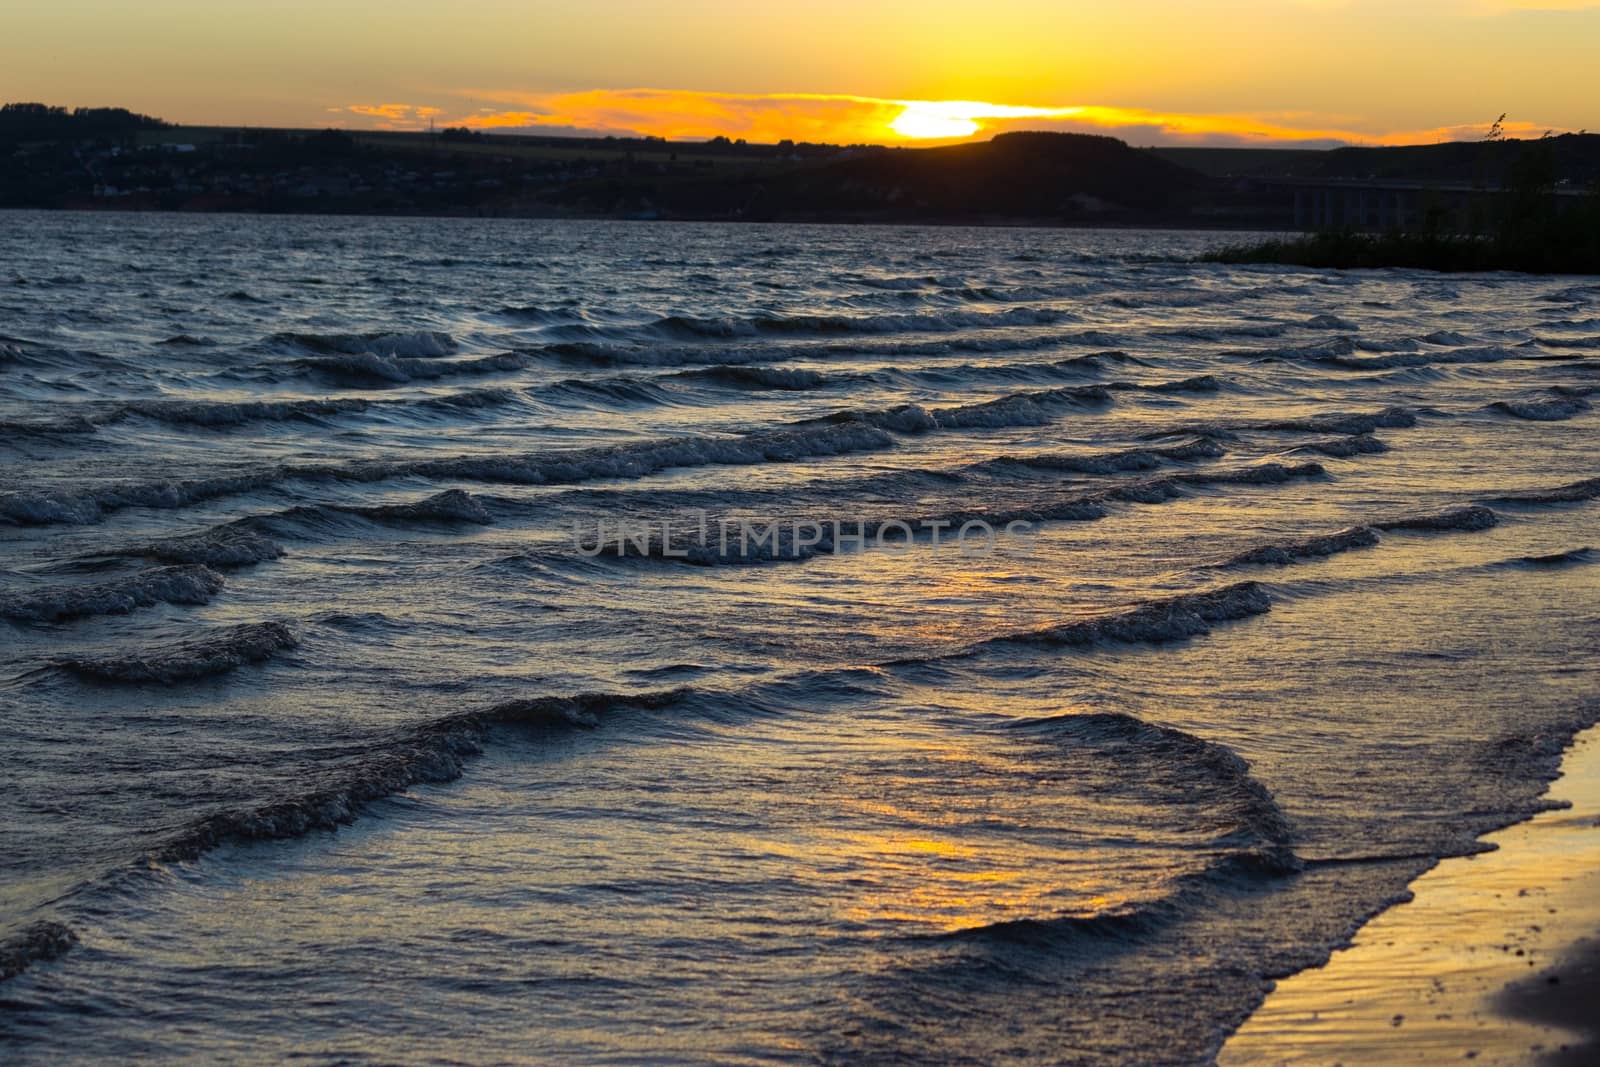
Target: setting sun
<point x="922" y="122"/>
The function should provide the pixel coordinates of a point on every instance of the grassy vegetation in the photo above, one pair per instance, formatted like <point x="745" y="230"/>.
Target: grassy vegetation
<point x="1567" y="250"/>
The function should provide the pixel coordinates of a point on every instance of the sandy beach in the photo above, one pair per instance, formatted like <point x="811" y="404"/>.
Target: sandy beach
<point x="1495" y="960"/>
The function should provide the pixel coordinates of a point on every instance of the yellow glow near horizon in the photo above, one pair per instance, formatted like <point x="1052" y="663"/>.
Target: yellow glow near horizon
<point x="894" y="71"/>
<point x="682" y="115"/>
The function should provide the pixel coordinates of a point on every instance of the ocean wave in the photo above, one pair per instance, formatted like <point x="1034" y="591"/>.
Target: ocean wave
<point x="1134" y="459"/>
<point x="1558" y="559"/>
<point x="1471" y="517"/>
<point x="249" y="540"/>
<point x="212" y="654"/>
<point x="226" y="414"/>
<point x="1260" y="826"/>
<point x="1353" y="425"/>
<point x="195" y="584"/>
<point x="1200" y="383"/>
<point x="1032" y="408"/>
<point x="1174" y="297"/>
<point x="452" y="505"/>
<point x="836" y="434"/>
<point x="1228" y="872"/>
<point x="1580" y="341"/>
<point x="1573" y="294"/>
<point x="1556" y="409"/>
<point x="60" y="427"/>
<point x="636" y="460"/>
<point x="678" y="326"/>
<point x="36" y="943"/>
<point x="896" y="284"/>
<point x="1345" y="447"/>
<point x="784" y="542"/>
<point x="539" y="315"/>
<point x="1222" y="333"/>
<point x="1154" y="621"/>
<point x="433" y="752"/>
<point x="1038" y="408"/>
<point x="234" y="413"/>
<point x="1394" y="360"/>
<point x="368" y="368"/>
<point x="79" y="508"/>
<point x="1350" y="424"/>
<point x="10" y="353"/>
<point x="1571" y="493"/>
<point x="1254" y="842"/>
<point x="465" y="400"/>
<point x="624" y="391"/>
<point x="1284" y="553"/>
<point x="222" y="546"/>
<point x="757" y="377"/>
<point x="605" y="354"/>
<point x="414" y="344"/>
<point x="967" y="373"/>
<point x="833" y="436"/>
<point x="1321" y="351"/>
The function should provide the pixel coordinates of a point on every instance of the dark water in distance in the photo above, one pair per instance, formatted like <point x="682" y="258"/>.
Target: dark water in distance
<point x="1305" y="598"/>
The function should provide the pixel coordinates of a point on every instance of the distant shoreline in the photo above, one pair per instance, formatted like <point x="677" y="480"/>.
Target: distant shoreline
<point x="992" y="223"/>
<point x="115" y="160"/>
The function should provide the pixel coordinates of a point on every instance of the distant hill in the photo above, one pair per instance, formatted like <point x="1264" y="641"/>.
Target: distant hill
<point x="1576" y="158"/>
<point x="1041" y="176"/>
<point x="40" y="122"/>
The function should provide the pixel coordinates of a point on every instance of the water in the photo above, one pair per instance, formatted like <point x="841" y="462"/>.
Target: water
<point x="320" y="706"/>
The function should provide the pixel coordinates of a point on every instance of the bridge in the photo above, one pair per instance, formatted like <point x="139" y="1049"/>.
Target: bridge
<point x="1381" y="204"/>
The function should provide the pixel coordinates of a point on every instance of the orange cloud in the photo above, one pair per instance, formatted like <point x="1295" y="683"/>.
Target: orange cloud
<point x="395" y="116"/>
<point x="683" y="115"/>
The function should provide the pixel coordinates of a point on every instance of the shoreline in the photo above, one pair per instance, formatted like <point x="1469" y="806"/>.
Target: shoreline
<point x="1495" y="960"/>
<point x="996" y="222"/>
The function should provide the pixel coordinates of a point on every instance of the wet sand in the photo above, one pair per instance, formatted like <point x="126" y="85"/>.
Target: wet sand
<point x="1495" y="960"/>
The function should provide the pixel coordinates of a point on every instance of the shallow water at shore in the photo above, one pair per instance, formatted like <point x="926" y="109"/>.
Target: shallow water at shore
<point x="1300" y="599"/>
<point x="1485" y="964"/>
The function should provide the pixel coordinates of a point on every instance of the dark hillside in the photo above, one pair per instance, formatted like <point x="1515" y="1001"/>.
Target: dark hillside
<point x="1047" y="176"/>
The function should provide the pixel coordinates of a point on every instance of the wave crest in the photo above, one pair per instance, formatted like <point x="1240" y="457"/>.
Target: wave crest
<point x="215" y="653"/>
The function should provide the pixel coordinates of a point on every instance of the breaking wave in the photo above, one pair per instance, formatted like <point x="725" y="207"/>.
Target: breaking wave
<point x="224" y="546"/>
<point x="215" y="653"/>
<point x="433" y="752"/>
<point x="1168" y="619"/>
<point x="1573" y="492"/>
<point x="36" y="943"/>
<point x="1284" y="553"/>
<point x="1472" y="517"/>
<point x="418" y="344"/>
<point x="1553" y="410"/>
<point x="170" y="585"/>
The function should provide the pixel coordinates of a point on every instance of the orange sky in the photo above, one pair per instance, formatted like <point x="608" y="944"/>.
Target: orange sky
<point x="1150" y="71"/>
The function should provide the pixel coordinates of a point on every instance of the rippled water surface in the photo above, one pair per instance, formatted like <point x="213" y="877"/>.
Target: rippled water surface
<point x="336" y="727"/>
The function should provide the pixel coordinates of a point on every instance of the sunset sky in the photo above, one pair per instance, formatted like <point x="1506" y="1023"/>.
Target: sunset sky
<point x="892" y="71"/>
